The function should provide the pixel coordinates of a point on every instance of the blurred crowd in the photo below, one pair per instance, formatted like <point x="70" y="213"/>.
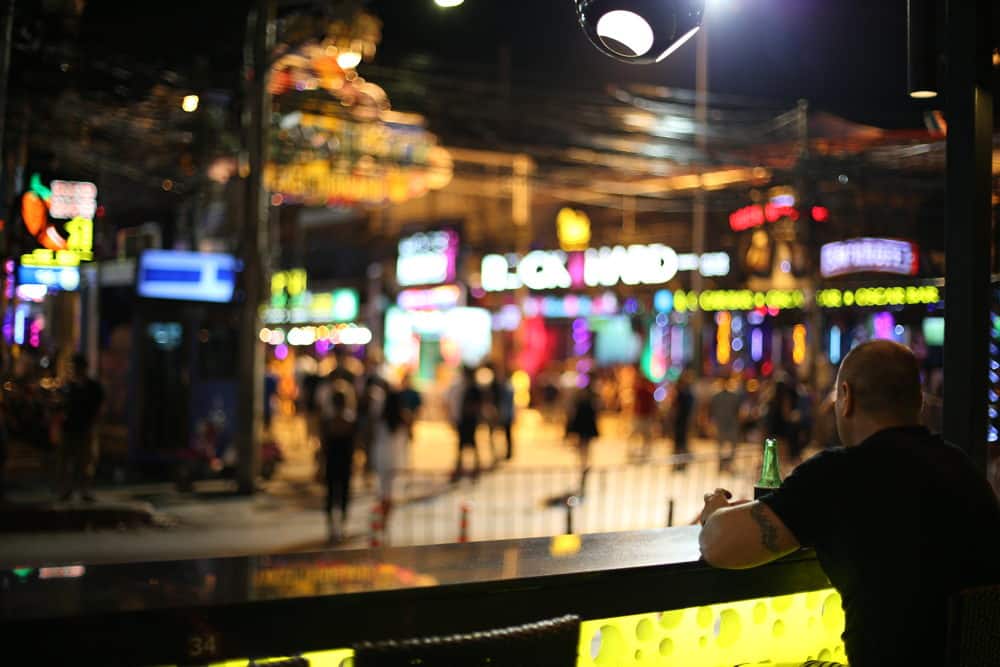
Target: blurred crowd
<point x="53" y="409"/>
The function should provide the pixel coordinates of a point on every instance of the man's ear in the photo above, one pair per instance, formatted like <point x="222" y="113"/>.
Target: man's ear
<point x="847" y="402"/>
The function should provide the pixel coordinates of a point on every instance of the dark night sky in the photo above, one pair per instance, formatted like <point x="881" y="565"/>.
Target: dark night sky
<point x="845" y="56"/>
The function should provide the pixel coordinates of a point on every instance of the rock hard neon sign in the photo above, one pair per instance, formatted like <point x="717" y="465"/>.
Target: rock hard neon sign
<point x="539" y="270"/>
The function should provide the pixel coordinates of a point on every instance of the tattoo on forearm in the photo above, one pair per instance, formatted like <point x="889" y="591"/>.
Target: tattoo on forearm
<point x="768" y="532"/>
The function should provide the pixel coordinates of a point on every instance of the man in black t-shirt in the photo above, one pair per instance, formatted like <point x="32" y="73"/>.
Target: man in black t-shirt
<point x="900" y="520"/>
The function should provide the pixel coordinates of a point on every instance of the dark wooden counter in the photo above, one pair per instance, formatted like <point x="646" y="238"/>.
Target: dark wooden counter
<point x="165" y="612"/>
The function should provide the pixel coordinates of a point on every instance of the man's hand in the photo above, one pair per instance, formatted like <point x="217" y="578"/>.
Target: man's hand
<point x="713" y="501"/>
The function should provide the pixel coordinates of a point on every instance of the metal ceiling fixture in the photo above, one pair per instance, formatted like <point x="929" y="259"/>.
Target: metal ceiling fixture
<point x="639" y="31"/>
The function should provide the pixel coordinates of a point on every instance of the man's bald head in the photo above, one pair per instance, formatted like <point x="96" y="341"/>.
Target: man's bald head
<point x="884" y="380"/>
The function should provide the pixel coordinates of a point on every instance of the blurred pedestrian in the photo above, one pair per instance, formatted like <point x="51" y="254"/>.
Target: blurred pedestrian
<point x="78" y="451"/>
<point x="373" y="388"/>
<point x="391" y="427"/>
<point x="467" y="409"/>
<point x="682" y="409"/>
<point x="643" y="414"/>
<point x="724" y="411"/>
<point x="410" y="403"/>
<point x="336" y="404"/>
<point x="4" y="436"/>
<point x="502" y="395"/>
<point x="582" y="423"/>
<point x="505" y="413"/>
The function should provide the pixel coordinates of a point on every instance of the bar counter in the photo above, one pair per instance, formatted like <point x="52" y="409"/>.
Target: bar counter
<point x="645" y="597"/>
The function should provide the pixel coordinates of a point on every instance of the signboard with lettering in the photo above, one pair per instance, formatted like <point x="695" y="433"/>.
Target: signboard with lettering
<point x="74" y="201"/>
<point x="428" y="258"/>
<point x="869" y="254"/>
<point x="336" y="306"/>
<point x="652" y="264"/>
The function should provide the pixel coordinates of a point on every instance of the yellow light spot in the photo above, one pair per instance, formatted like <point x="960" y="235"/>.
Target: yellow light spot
<point x="730" y="628"/>
<point x="671" y="619"/>
<point x="644" y="630"/>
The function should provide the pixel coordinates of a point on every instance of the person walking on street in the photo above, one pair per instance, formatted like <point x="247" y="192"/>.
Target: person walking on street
<point x="467" y="410"/>
<point x="583" y="424"/>
<point x="502" y="393"/>
<point x="410" y="402"/>
<point x="724" y="411"/>
<point x="78" y="451"/>
<point x="643" y="414"/>
<point x="337" y="408"/>
<point x="683" y="408"/>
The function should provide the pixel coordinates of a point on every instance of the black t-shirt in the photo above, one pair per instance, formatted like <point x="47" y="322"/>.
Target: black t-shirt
<point x="899" y="523"/>
<point x="83" y="402"/>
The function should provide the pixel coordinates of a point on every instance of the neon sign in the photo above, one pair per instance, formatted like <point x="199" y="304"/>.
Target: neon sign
<point x="756" y="215"/>
<point x="879" y="296"/>
<point x="287" y="287"/>
<point x="746" y="300"/>
<point x="869" y="254"/>
<point x="428" y="258"/>
<point x="441" y="297"/>
<point x="570" y="306"/>
<point x="573" y="229"/>
<point x="341" y="334"/>
<point x="652" y="264"/>
<point x="719" y="300"/>
<point x="61" y="278"/>
<point x="340" y="305"/>
<point x="75" y="201"/>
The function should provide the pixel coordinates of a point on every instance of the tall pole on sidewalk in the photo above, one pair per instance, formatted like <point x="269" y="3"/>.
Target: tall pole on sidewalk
<point x="969" y="110"/>
<point x="700" y="205"/>
<point x="254" y="240"/>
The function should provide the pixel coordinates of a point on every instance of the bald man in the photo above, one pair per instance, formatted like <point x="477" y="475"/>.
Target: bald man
<point x="899" y="519"/>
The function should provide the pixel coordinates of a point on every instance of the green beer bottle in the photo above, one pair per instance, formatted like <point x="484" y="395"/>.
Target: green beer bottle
<point x="770" y="471"/>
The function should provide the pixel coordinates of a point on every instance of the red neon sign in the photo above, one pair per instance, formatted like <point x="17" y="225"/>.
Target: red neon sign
<point x="755" y="215"/>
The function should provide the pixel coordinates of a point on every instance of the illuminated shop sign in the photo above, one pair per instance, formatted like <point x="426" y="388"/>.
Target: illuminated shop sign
<point x="869" y="254"/>
<point x="187" y="276"/>
<point x="428" y="258"/>
<point x="339" y="334"/>
<point x="719" y="300"/>
<point x="570" y="306"/>
<point x="652" y="264"/>
<point x="441" y="297"/>
<point x="757" y="215"/>
<point x="573" y="229"/>
<point x="879" y="296"/>
<point x="339" y="305"/>
<point x="65" y="278"/>
<point x="323" y="159"/>
<point x="73" y="201"/>
<point x="288" y="287"/>
<point x="745" y="300"/>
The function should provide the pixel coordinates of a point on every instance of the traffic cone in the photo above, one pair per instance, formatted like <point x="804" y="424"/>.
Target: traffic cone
<point x="377" y="526"/>
<point x="463" y="524"/>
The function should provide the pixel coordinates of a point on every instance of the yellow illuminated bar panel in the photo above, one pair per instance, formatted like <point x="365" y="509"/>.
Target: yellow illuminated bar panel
<point x="790" y="628"/>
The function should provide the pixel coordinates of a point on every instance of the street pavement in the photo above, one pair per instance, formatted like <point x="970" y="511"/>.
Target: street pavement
<point x="521" y="498"/>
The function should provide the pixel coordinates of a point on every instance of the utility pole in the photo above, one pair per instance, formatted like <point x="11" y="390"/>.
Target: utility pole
<point x="6" y="34"/>
<point x="700" y="203"/>
<point x="254" y="239"/>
